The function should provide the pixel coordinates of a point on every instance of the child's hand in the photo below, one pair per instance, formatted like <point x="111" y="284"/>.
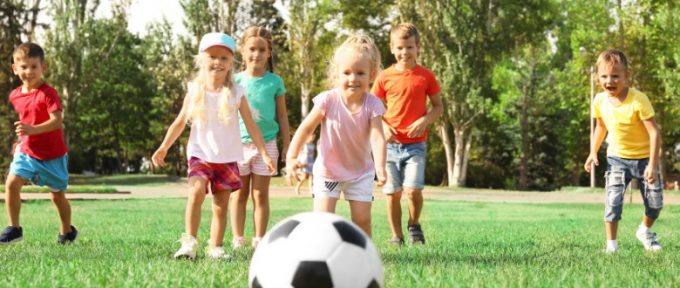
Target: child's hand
<point x="381" y="177"/>
<point x="23" y="129"/>
<point x="389" y="132"/>
<point x="158" y="157"/>
<point x="284" y="152"/>
<point x="417" y="128"/>
<point x="270" y="164"/>
<point x="592" y="159"/>
<point x="292" y="165"/>
<point x="650" y="174"/>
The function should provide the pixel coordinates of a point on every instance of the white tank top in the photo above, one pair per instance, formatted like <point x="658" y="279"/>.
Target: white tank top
<point x="212" y="140"/>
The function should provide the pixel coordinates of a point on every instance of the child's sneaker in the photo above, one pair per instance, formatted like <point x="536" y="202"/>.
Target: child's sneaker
<point x="255" y="241"/>
<point x="216" y="252"/>
<point x="69" y="237"/>
<point x="11" y="234"/>
<point x="396" y="241"/>
<point x="610" y="250"/>
<point x="238" y="242"/>
<point x="648" y="239"/>
<point x="189" y="246"/>
<point x="416" y="234"/>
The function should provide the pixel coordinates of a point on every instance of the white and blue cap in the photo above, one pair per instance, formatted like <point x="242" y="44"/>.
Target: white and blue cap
<point x="217" y="39"/>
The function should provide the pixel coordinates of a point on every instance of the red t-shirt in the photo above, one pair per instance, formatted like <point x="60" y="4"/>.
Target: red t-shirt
<point x="405" y="94"/>
<point x="34" y="108"/>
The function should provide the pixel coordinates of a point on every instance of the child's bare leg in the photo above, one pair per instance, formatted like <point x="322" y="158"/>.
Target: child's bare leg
<point x="649" y="222"/>
<point x="238" y="207"/>
<point x="325" y="204"/>
<point x="192" y="217"/>
<point x="13" y="198"/>
<point x="261" y="204"/>
<point x="220" y="205"/>
<point x="611" y="228"/>
<point x="361" y="215"/>
<point x="64" y="210"/>
<point x="415" y="205"/>
<point x="394" y="213"/>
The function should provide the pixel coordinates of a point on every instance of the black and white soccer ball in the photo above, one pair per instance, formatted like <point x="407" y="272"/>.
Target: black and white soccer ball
<point x="316" y="249"/>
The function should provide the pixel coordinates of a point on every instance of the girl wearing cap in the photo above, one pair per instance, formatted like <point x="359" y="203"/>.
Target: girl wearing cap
<point x="213" y="149"/>
<point x="265" y="93"/>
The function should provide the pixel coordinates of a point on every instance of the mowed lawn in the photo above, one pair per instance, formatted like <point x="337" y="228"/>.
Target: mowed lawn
<point x="129" y="243"/>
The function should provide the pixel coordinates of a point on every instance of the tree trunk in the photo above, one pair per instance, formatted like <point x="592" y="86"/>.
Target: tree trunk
<point x="524" y="139"/>
<point x="446" y="141"/>
<point x="462" y="148"/>
<point x="304" y="100"/>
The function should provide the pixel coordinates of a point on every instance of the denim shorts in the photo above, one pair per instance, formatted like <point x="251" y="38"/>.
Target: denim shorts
<point x="619" y="173"/>
<point x="52" y="173"/>
<point x="405" y="166"/>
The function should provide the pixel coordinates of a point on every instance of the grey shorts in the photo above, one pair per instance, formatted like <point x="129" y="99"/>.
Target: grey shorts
<point x="619" y="173"/>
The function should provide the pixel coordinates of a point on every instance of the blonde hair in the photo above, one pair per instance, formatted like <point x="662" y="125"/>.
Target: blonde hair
<point x="404" y="31"/>
<point x="361" y="44"/>
<point x="612" y="57"/>
<point x="197" y="108"/>
<point x="259" y="32"/>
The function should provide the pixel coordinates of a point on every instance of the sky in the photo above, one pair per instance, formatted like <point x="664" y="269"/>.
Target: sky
<point x="144" y="12"/>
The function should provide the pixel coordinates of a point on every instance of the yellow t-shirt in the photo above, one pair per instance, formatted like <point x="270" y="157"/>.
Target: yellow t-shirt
<point x="627" y="137"/>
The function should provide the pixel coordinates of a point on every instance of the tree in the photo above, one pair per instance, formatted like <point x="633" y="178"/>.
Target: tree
<point x="305" y="31"/>
<point x="461" y="44"/>
<point x="18" y="21"/>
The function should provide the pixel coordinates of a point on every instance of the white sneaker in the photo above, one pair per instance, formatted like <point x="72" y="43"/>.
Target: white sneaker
<point x="238" y="242"/>
<point x="216" y="252"/>
<point x="610" y="250"/>
<point x="648" y="239"/>
<point x="189" y="246"/>
<point x="255" y="241"/>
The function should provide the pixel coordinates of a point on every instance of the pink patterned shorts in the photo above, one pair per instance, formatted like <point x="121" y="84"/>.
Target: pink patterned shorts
<point x="221" y="176"/>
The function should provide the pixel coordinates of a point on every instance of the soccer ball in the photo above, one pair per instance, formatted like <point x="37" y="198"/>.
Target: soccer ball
<point x="315" y="249"/>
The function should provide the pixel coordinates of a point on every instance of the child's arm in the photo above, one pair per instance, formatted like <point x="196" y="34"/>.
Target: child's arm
<point x="173" y="133"/>
<point x="378" y="148"/>
<point x="598" y="137"/>
<point x="255" y="133"/>
<point x="54" y="123"/>
<point x="654" y="143"/>
<point x="417" y="128"/>
<point x="306" y="128"/>
<point x="284" y="126"/>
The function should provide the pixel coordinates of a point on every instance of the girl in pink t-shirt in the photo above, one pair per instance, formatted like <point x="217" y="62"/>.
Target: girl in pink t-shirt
<point x="351" y="130"/>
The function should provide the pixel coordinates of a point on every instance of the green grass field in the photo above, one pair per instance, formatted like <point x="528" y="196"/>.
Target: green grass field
<point x="130" y="243"/>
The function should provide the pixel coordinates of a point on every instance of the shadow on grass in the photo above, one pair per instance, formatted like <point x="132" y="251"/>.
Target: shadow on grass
<point x="124" y="179"/>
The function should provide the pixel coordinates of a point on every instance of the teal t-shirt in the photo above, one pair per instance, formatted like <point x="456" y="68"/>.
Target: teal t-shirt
<point x="261" y="93"/>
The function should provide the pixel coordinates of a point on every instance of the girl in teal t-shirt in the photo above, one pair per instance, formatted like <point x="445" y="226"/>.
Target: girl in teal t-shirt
<point x="265" y="93"/>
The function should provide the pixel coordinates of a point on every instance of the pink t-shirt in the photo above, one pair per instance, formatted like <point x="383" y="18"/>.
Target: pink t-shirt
<point x="344" y="141"/>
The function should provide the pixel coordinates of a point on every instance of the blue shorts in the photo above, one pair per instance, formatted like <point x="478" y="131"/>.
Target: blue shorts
<point x="405" y="166"/>
<point x="51" y="173"/>
<point x="620" y="172"/>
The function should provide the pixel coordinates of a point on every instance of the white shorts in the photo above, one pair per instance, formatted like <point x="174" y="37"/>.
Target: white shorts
<point x="359" y="189"/>
<point x="252" y="160"/>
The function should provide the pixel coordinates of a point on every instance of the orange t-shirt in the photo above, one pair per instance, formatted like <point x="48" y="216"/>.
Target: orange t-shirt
<point x="405" y="94"/>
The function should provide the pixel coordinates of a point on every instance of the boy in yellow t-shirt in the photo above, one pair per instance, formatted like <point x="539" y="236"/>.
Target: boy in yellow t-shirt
<point x="633" y="147"/>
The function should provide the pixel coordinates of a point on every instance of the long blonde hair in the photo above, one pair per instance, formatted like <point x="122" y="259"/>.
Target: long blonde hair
<point x="197" y="107"/>
<point x="361" y="44"/>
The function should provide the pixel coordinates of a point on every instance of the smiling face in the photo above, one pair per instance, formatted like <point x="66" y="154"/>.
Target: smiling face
<point x="256" y="53"/>
<point x="218" y="62"/>
<point x="612" y="78"/>
<point x="30" y="70"/>
<point x="405" y="51"/>
<point x="354" y="73"/>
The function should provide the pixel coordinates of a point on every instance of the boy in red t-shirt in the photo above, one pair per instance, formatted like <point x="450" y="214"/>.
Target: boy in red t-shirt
<point x="40" y="156"/>
<point x="405" y="87"/>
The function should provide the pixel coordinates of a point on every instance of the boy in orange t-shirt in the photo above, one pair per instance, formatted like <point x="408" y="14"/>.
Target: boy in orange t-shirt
<point x="405" y="88"/>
